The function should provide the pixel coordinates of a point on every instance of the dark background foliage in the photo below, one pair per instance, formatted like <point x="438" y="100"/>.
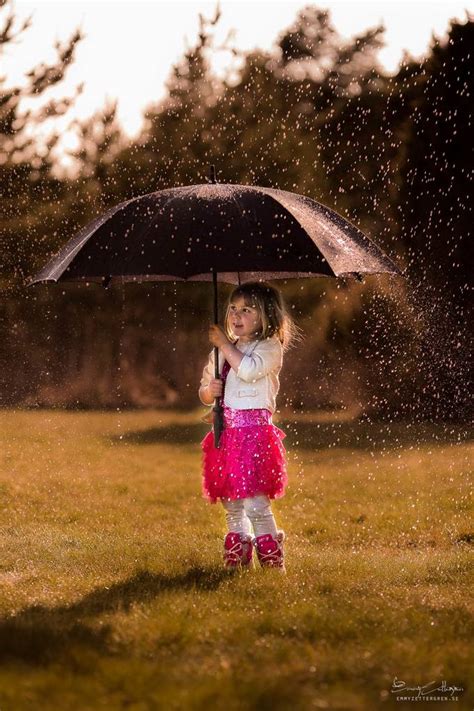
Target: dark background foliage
<point x="316" y="115"/>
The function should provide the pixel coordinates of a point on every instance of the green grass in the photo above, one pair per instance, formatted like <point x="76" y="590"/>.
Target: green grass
<point x="113" y="595"/>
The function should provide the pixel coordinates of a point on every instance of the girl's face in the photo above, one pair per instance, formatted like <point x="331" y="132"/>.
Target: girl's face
<point x="244" y="320"/>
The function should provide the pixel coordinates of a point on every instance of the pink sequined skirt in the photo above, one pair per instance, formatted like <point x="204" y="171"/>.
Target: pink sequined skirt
<point x="251" y="458"/>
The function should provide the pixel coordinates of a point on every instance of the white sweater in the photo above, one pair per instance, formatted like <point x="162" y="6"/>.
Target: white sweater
<point x="255" y="384"/>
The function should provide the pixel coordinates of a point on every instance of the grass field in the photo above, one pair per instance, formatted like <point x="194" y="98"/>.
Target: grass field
<point x="113" y="595"/>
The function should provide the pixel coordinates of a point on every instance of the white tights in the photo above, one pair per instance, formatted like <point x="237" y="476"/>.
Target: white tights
<point x="256" y="512"/>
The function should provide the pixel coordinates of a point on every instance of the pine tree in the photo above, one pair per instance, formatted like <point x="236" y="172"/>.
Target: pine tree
<point x="29" y="191"/>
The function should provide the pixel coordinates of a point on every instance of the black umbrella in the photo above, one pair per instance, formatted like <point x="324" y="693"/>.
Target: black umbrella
<point x="218" y="232"/>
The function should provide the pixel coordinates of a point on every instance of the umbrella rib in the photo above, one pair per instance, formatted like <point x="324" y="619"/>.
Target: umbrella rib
<point x="339" y="223"/>
<point x="268" y="192"/>
<point x="146" y="231"/>
<point x="90" y="228"/>
<point x="132" y="253"/>
<point x="239" y="208"/>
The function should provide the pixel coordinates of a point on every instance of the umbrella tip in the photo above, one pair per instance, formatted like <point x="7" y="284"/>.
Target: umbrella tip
<point x="212" y="174"/>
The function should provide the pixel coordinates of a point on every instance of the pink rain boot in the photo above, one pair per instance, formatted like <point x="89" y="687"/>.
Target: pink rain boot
<point x="270" y="550"/>
<point x="238" y="550"/>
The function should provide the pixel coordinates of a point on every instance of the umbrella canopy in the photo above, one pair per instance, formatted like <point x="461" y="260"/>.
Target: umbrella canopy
<point x="220" y="232"/>
<point x="238" y="232"/>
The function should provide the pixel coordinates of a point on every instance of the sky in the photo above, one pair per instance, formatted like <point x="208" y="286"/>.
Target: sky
<point x="130" y="46"/>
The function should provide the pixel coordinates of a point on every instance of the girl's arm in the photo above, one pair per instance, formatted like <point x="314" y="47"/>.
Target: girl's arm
<point x="218" y="338"/>
<point x="207" y="374"/>
<point x="267" y="356"/>
<point x="210" y="387"/>
<point x="232" y="355"/>
<point x="205" y="395"/>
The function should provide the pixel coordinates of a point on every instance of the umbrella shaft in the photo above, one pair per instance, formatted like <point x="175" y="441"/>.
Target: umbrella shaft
<point x="216" y="320"/>
<point x="218" y="417"/>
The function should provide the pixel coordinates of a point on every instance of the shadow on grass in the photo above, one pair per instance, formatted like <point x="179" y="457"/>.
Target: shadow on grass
<point x="168" y="434"/>
<point x="40" y="634"/>
<point x="354" y="435"/>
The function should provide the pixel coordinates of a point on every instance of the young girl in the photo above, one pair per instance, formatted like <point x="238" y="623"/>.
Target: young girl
<point x="249" y="467"/>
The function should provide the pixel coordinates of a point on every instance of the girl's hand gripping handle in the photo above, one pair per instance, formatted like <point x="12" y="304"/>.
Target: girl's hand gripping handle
<point x="215" y="387"/>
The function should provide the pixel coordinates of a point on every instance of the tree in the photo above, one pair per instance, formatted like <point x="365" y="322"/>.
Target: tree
<point x="436" y="188"/>
<point x="435" y="213"/>
<point x="29" y="192"/>
<point x="178" y="140"/>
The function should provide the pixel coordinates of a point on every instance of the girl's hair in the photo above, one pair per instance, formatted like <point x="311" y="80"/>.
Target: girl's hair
<point x="272" y="309"/>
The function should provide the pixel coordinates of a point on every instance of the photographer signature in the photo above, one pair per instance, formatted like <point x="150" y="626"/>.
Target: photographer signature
<point x="400" y="686"/>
